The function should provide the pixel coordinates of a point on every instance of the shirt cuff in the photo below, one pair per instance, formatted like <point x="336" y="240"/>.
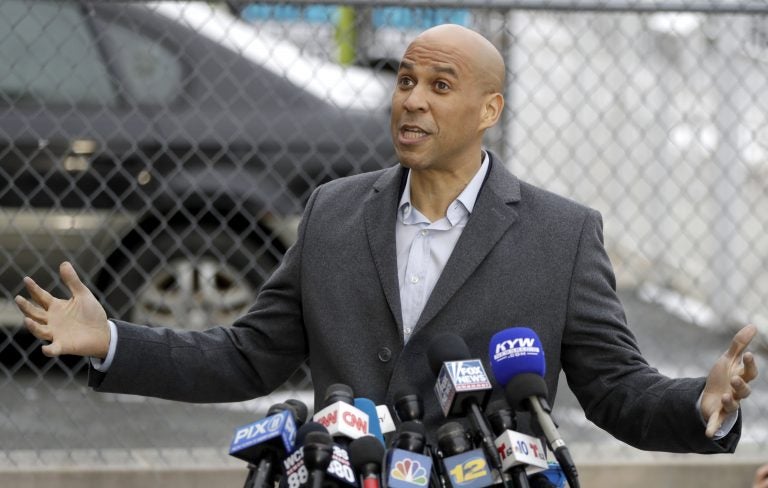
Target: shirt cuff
<point x="104" y="364"/>
<point x="725" y="427"/>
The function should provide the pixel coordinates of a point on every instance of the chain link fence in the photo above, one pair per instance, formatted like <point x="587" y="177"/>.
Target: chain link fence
<point x="167" y="149"/>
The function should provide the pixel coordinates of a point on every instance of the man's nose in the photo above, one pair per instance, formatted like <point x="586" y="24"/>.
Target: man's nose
<point x="416" y="99"/>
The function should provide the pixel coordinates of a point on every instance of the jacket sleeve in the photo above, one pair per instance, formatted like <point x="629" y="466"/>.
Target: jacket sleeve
<point x="616" y="387"/>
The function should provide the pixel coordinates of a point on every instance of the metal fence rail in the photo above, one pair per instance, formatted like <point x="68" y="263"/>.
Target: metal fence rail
<point x="166" y="149"/>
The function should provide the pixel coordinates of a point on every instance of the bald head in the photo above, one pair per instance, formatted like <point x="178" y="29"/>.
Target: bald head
<point x="448" y="92"/>
<point x="481" y="57"/>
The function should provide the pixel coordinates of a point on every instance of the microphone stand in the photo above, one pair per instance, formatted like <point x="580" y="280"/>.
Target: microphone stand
<point x="261" y="474"/>
<point x="489" y="447"/>
<point x="519" y="477"/>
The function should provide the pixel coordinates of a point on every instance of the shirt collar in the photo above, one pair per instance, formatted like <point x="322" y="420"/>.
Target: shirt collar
<point x="467" y="197"/>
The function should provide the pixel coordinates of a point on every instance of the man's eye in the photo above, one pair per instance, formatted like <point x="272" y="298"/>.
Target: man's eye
<point x="405" y="82"/>
<point x="442" y="86"/>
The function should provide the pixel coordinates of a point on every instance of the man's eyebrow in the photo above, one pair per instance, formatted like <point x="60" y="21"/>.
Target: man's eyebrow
<point x="445" y="69"/>
<point x="408" y="66"/>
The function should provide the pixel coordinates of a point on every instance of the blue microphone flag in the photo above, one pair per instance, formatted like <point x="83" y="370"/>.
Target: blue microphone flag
<point x="468" y="470"/>
<point x="514" y="351"/>
<point x="278" y="430"/>
<point x="408" y="469"/>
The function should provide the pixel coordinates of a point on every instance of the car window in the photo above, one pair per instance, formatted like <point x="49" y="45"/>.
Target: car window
<point x="149" y="71"/>
<point x="49" y="56"/>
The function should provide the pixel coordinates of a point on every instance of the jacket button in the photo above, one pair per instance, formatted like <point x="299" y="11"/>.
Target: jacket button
<point x="385" y="354"/>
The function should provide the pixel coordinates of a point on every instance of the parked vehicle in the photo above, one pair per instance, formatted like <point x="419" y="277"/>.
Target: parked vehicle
<point x="167" y="150"/>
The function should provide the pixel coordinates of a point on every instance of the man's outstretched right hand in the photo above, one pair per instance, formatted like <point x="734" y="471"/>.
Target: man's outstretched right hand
<point x="75" y="326"/>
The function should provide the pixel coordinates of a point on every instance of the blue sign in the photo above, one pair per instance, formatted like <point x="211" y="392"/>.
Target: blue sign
<point x="280" y="425"/>
<point x="468" y="470"/>
<point x="408" y="469"/>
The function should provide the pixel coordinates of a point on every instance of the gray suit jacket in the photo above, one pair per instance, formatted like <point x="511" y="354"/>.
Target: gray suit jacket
<point x="526" y="258"/>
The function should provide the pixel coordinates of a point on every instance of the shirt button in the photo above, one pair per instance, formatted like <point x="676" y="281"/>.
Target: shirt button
<point x="424" y="232"/>
<point x="385" y="354"/>
<point x="414" y="279"/>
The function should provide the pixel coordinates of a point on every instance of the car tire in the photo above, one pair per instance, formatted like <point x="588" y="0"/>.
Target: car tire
<point x="188" y="278"/>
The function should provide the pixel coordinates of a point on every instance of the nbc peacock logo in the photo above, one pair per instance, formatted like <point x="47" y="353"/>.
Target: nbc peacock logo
<point x="410" y="471"/>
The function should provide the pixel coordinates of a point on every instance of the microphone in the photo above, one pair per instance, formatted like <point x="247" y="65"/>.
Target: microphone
<point x="465" y="466"/>
<point x="299" y="410"/>
<point x="385" y="419"/>
<point x="367" y="406"/>
<point x="502" y="419"/>
<point x="295" y="469"/>
<point x="294" y="472"/>
<point x="517" y="361"/>
<point x="462" y="387"/>
<point x="366" y="455"/>
<point x="340" y="417"/>
<point x="409" y="406"/>
<point x="305" y="429"/>
<point x="461" y="381"/>
<point x="318" y="452"/>
<point x="263" y="442"/>
<point x="407" y="467"/>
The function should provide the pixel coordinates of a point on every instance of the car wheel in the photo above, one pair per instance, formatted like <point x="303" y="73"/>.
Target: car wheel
<point x="191" y="280"/>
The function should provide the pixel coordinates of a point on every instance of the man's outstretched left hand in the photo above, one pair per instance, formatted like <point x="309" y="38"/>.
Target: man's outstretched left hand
<point x="728" y="381"/>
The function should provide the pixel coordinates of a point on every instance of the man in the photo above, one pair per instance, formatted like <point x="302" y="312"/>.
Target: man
<point x="446" y="242"/>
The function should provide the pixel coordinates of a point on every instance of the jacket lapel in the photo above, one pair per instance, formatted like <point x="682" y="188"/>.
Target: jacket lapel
<point x="490" y="219"/>
<point x="380" y="210"/>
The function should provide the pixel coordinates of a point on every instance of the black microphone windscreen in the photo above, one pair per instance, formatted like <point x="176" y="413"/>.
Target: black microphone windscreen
<point x="306" y="429"/>
<point x="365" y="450"/>
<point x="409" y="405"/>
<point x="318" y="437"/>
<point x="446" y="347"/>
<point x="339" y="392"/>
<point x="500" y="417"/>
<point x="318" y="451"/>
<point x="522" y="387"/>
<point x="411" y="436"/>
<point x="496" y="406"/>
<point x="452" y="439"/>
<point x="300" y="410"/>
<point x="412" y="426"/>
<point x="279" y="407"/>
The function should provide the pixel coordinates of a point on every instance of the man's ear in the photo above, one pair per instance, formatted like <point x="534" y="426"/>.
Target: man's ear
<point x="491" y="112"/>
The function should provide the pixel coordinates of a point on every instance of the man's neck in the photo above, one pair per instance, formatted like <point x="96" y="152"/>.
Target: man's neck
<point x="432" y="191"/>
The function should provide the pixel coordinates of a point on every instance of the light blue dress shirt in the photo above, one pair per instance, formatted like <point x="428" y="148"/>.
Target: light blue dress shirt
<point x="423" y="247"/>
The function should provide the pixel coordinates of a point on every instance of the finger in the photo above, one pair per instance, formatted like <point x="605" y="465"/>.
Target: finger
<point x="741" y="389"/>
<point x="37" y="329"/>
<point x="30" y="310"/>
<point x="729" y="404"/>
<point x="750" y="367"/>
<point x="42" y="297"/>
<point x="741" y="340"/>
<point x="70" y="278"/>
<point x="714" y="423"/>
<point x="51" y="350"/>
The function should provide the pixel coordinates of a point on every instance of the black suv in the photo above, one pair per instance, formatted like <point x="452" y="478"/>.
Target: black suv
<point x="167" y="150"/>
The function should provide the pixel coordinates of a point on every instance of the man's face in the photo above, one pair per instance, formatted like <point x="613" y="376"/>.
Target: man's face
<point x="436" y="107"/>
